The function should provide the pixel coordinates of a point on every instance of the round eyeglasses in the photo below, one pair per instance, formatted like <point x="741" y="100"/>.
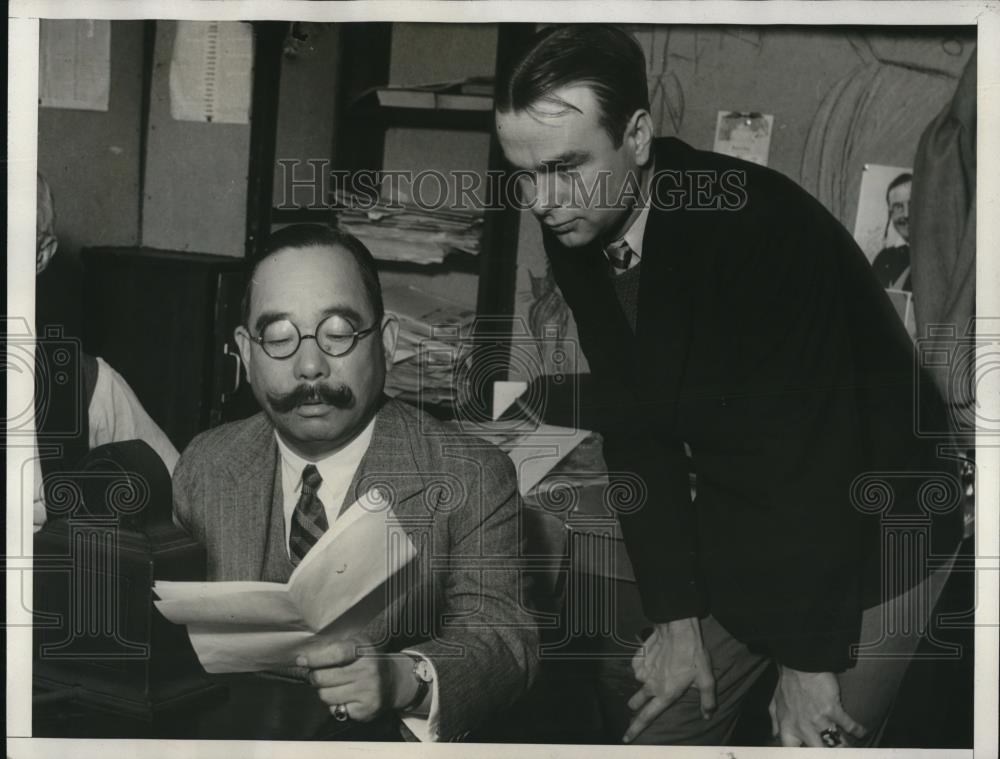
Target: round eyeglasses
<point x="335" y="336"/>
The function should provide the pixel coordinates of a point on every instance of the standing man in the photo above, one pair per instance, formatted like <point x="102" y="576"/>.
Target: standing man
<point x="724" y="310"/>
<point x="458" y="646"/>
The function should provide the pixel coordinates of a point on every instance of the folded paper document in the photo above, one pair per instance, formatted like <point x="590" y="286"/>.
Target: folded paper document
<point x="347" y="578"/>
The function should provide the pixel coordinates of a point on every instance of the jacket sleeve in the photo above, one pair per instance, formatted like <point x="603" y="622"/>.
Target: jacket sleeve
<point x="485" y="653"/>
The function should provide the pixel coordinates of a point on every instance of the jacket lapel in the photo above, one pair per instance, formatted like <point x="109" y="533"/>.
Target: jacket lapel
<point x="666" y="287"/>
<point x="252" y="472"/>
<point x="389" y="466"/>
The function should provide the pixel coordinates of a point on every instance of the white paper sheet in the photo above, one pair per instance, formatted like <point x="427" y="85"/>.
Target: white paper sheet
<point x="75" y="64"/>
<point x="341" y="584"/>
<point x="210" y="72"/>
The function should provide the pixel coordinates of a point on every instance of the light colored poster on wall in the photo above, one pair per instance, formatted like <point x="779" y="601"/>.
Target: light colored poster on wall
<point x="882" y="230"/>
<point x="210" y="72"/>
<point x="744" y="135"/>
<point x="75" y="64"/>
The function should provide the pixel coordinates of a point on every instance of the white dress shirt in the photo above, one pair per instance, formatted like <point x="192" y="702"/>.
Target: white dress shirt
<point x="337" y="471"/>
<point x="114" y="414"/>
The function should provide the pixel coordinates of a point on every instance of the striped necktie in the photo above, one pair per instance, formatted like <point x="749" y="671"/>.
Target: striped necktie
<point x="619" y="254"/>
<point x="309" y="518"/>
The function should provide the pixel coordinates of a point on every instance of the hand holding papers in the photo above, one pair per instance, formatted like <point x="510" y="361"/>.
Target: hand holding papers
<point x="340" y="585"/>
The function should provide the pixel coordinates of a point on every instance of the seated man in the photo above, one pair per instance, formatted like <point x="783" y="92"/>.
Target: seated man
<point x="114" y="413"/>
<point x="259" y="493"/>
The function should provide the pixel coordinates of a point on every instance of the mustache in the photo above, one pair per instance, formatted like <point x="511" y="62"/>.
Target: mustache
<point x="341" y="397"/>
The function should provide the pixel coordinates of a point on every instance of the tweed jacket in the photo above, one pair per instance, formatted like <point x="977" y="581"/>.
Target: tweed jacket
<point x="456" y="498"/>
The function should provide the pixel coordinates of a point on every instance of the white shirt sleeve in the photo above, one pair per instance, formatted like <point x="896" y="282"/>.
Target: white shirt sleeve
<point x="424" y="728"/>
<point x="116" y="414"/>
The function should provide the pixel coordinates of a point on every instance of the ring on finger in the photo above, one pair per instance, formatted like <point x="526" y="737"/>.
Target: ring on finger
<point x="831" y="737"/>
<point x="340" y="713"/>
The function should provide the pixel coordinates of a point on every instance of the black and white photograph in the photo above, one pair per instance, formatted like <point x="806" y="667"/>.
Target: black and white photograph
<point x="545" y="377"/>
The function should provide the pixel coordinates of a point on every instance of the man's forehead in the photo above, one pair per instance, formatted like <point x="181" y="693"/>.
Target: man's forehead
<point x="297" y="276"/>
<point x="569" y="113"/>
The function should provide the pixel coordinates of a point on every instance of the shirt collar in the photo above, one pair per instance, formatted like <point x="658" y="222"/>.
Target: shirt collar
<point x="333" y="466"/>
<point x="637" y="229"/>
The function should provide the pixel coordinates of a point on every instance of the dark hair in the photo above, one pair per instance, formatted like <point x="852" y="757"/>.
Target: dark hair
<point x="602" y="56"/>
<point x="299" y="236"/>
<point x="901" y="179"/>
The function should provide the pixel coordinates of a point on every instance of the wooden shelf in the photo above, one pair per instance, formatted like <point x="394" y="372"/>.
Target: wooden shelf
<point x="381" y="117"/>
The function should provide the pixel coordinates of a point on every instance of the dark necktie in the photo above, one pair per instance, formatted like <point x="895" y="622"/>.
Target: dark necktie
<point x="309" y="518"/>
<point x="619" y="254"/>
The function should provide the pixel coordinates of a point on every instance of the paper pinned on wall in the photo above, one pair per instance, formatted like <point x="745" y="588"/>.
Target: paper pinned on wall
<point x="744" y="135"/>
<point x="75" y="64"/>
<point x="210" y="72"/>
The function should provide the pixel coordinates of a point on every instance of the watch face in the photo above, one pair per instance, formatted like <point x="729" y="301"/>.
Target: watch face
<point x="422" y="669"/>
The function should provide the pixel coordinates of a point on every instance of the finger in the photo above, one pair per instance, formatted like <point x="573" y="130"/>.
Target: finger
<point x="638" y="664"/>
<point x="848" y="723"/>
<point x="642" y="720"/>
<point x="342" y="694"/>
<point x="328" y="654"/>
<point x="789" y="738"/>
<point x="706" y="689"/>
<point x="639" y="699"/>
<point x="328" y="677"/>
<point x="773" y="711"/>
<point x="810" y="736"/>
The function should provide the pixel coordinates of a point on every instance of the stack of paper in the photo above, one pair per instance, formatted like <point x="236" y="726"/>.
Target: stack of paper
<point x="398" y="229"/>
<point x="433" y="334"/>
<point x="346" y="579"/>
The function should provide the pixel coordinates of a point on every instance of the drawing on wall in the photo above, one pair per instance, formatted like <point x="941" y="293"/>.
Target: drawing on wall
<point x="744" y="135"/>
<point x="882" y="230"/>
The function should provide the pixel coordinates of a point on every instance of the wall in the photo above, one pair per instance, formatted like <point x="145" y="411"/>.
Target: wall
<point x="196" y="173"/>
<point x="91" y="161"/>
<point x="91" y="158"/>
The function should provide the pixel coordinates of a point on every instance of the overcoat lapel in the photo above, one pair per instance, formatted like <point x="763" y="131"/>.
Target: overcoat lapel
<point x="666" y="289"/>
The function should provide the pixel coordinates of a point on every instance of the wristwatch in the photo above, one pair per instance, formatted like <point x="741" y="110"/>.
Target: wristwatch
<point x="423" y="672"/>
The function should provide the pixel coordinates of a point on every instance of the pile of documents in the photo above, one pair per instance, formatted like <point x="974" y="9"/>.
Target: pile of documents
<point x="398" y="229"/>
<point x="433" y="335"/>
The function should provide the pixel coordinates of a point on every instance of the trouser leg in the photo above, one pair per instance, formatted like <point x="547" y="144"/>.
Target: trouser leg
<point x="890" y="634"/>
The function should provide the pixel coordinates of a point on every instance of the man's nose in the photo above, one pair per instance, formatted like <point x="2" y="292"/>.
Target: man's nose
<point x="310" y="362"/>
<point x="546" y="194"/>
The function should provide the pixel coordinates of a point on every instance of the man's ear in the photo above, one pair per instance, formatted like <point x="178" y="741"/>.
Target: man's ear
<point x="390" y="333"/>
<point x="639" y="134"/>
<point x="245" y="344"/>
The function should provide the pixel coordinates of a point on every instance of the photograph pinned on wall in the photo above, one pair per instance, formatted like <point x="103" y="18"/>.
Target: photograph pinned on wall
<point x="744" y="135"/>
<point x="882" y="230"/>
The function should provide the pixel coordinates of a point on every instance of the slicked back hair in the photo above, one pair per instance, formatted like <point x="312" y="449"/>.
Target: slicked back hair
<point x="601" y="56"/>
<point x="301" y="236"/>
